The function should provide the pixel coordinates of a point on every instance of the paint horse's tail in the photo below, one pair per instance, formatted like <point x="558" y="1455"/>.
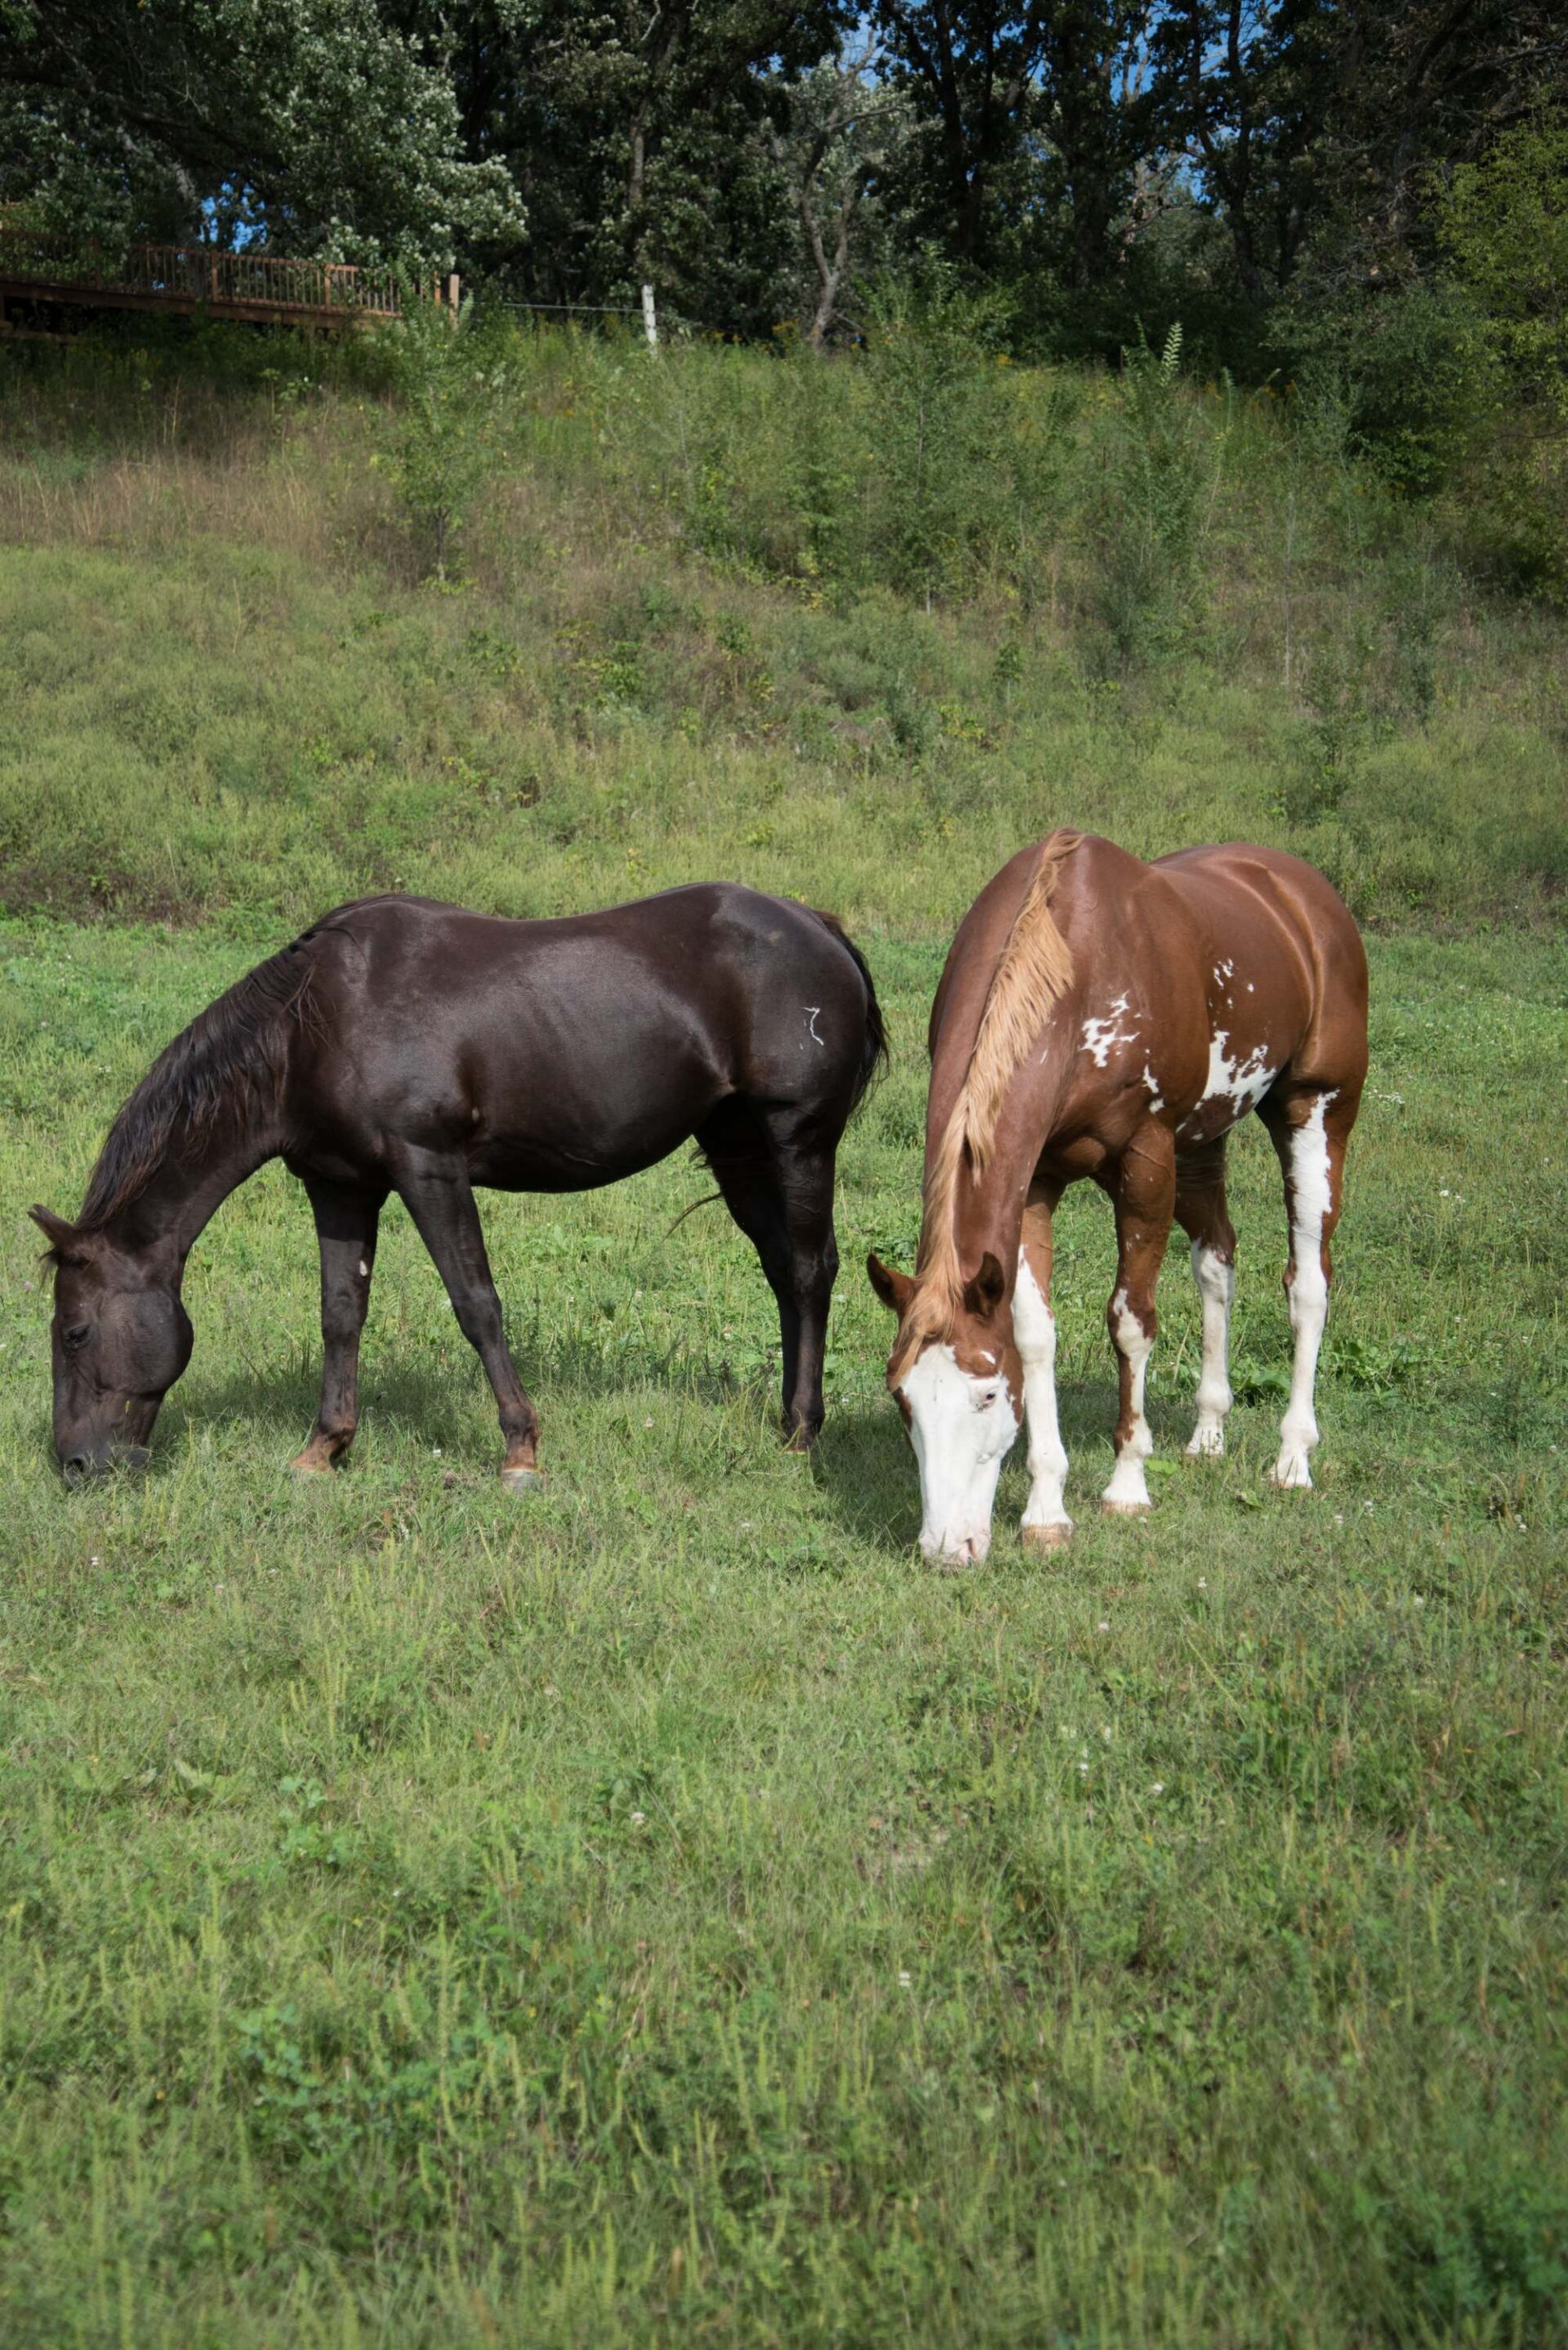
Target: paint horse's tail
<point x="874" y="1051"/>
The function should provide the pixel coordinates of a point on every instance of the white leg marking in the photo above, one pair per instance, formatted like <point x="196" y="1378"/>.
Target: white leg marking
<point x="1129" y="1488"/>
<point x="1309" y="1203"/>
<point x="1216" y="1286"/>
<point x="1035" y="1330"/>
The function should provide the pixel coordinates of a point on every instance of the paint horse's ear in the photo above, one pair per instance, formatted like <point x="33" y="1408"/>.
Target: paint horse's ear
<point x="985" y="1292"/>
<point x="65" y="1243"/>
<point x="895" y="1289"/>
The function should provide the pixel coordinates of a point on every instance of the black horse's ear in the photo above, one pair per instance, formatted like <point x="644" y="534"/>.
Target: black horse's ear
<point x="65" y="1240"/>
<point x="985" y="1292"/>
<point x="894" y="1288"/>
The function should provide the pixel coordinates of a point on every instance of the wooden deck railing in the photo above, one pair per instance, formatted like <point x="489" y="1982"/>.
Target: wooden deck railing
<point x="185" y="277"/>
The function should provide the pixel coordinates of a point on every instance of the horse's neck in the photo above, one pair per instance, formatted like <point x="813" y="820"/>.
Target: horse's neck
<point x="988" y="1212"/>
<point x="189" y="1185"/>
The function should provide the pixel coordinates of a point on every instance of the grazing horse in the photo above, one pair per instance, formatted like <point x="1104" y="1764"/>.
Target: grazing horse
<point x="402" y="1045"/>
<point x="1104" y="1017"/>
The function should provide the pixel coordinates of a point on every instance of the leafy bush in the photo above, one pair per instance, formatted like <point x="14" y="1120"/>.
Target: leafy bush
<point x="452" y="381"/>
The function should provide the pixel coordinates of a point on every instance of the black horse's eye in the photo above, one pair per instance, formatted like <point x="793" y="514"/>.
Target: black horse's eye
<point x="77" y="1334"/>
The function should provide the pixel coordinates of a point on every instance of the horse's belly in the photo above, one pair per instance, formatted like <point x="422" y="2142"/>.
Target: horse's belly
<point x="522" y="1164"/>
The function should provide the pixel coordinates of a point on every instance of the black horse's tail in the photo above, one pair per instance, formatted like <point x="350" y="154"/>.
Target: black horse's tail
<point x="874" y="1052"/>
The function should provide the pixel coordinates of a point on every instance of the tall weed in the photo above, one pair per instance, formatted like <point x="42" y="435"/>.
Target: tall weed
<point x="1160" y="473"/>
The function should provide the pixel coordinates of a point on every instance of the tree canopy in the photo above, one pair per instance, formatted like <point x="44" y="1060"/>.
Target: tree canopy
<point x="1265" y="170"/>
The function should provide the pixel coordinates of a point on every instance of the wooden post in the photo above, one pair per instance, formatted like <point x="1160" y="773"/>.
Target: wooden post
<point x="454" y="285"/>
<point x="650" y="319"/>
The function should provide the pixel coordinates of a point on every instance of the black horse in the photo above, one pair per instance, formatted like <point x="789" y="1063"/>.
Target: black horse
<point x="403" y="1045"/>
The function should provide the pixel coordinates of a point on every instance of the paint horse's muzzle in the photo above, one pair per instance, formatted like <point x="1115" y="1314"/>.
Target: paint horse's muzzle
<point x="956" y="1550"/>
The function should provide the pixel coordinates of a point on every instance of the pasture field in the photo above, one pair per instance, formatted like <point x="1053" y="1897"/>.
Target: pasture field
<point x="663" y="1910"/>
<point x="667" y="1910"/>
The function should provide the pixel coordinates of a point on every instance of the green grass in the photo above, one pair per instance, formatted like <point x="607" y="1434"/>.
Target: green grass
<point x="668" y="1911"/>
<point x="225" y="692"/>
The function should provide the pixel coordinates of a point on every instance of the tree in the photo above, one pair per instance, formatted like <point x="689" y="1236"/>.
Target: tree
<point x="1503" y="224"/>
<point x="972" y="68"/>
<point x="836" y="130"/>
<point x="310" y="124"/>
<point x="635" y="134"/>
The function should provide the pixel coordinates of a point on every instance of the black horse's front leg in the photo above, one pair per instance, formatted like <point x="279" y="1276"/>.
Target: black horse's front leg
<point x="346" y="1225"/>
<point x="440" y="1197"/>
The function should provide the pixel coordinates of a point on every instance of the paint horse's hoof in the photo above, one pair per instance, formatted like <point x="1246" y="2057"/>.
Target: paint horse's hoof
<point x="1290" y="1473"/>
<point x="1126" y="1508"/>
<point x="523" y="1481"/>
<point x="1055" y="1536"/>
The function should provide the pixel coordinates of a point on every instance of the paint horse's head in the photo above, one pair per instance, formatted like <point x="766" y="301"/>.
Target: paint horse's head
<point x="956" y="1379"/>
<point x="122" y="1338"/>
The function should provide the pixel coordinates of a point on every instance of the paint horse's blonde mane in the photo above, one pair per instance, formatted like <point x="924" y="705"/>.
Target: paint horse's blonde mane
<point x="1032" y="969"/>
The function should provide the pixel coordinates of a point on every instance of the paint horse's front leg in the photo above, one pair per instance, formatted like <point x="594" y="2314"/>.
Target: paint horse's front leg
<point x="1046" y="1525"/>
<point x="1143" y="1188"/>
<point x="346" y="1224"/>
<point x="437" y="1195"/>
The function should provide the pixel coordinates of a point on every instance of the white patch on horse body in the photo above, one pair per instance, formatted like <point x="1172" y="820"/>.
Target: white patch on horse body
<point x="1312" y="1198"/>
<point x="1129" y="1486"/>
<point x="962" y="1429"/>
<point x="811" y="1012"/>
<point x="1240" y="1084"/>
<point x="1035" y="1330"/>
<point x="1100" y="1035"/>
<point x="1216" y="1287"/>
<point x="364" y="1270"/>
<point x="1155" y="1100"/>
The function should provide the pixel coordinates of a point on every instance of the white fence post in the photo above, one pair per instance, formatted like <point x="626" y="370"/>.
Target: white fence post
<point x="650" y="319"/>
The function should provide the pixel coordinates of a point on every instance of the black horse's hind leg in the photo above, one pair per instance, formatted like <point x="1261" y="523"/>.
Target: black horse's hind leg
<point x="779" y="1190"/>
<point x="346" y="1222"/>
<point x="805" y="1179"/>
<point x="440" y="1197"/>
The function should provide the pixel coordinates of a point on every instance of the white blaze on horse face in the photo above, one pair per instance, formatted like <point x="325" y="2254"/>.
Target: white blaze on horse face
<point x="1129" y="1488"/>
<point x="1100" y="1035"/>
<point x="1035" y="1331"/>
<point x="1311" y="1198"/>
<point x="962" y="1429"/>
<point x="1216" y="1287"/>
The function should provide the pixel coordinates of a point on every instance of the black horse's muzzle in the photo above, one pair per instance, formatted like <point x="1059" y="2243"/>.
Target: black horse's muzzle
<point x="78" y="1468"/>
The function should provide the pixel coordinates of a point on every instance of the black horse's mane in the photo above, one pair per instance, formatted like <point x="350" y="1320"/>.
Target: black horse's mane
<point x="228" y="1063"/>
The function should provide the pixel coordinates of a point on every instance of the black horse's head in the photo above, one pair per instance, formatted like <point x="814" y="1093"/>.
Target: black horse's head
<point x="122" y="1338"/>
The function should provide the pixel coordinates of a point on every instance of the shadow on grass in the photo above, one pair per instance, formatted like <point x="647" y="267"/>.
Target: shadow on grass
<point x="451" y="1405"/>
<point x="864" y="1467"/>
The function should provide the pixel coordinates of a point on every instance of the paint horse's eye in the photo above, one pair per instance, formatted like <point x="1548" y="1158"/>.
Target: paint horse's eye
<point x="77" y="1334"/>
<point x="984" y="1398"/>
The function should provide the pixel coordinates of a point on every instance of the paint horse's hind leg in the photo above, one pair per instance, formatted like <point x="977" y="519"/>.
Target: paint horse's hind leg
<point x="437" y="1195"/>
<point x="1309" y="1128"/>
<point x="1143" y="1187"/>
<point x="1202" y="1213"/>
<point x="1046" y="1525"/>
<point x="346" y="1222"/>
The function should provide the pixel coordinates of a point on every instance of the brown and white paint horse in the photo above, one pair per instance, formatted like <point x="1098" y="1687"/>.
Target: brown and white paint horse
<point x="1100" y="1016"/>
